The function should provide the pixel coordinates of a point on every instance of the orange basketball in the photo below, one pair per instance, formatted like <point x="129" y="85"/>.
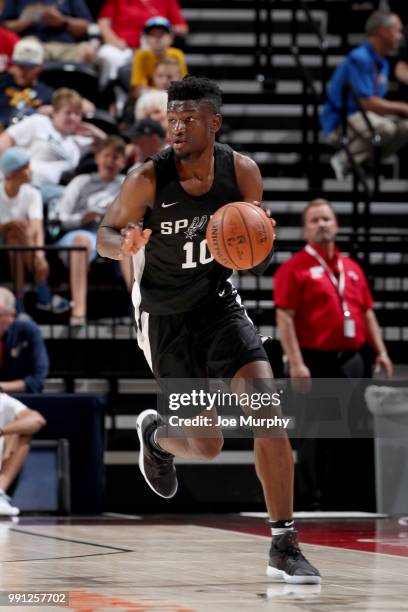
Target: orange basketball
<point x="240" y="235"/>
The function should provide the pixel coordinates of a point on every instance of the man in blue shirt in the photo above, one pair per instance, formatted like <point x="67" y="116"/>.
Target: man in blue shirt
<point x="366" y="70"/>
<point x="59" y="24"/>
<point x="24" y="360"/>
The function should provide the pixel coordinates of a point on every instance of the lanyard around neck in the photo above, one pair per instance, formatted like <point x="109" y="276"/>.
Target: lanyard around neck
<point x="339" y="284"/>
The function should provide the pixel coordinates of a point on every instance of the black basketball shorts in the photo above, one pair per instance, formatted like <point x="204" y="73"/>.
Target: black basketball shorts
<point x="212" y="341"/>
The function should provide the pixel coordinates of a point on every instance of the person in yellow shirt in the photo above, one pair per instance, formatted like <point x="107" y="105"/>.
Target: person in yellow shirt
<point x="158" y="37"/>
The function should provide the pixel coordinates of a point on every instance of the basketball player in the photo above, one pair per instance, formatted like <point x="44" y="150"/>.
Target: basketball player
<point x="190" y="320"/>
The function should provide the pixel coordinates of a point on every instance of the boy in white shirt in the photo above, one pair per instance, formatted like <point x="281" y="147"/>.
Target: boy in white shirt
<point x="80" y="211"/>
<point x="21" y="224"/>
<point x="55" y="144"/>
<point x="17" y="424"/>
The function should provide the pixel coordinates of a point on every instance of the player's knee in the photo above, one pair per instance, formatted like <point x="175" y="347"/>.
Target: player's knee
<point x="206" y="448"/>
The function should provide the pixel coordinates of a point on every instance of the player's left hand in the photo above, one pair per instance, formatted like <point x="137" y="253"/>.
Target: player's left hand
<point x="133" y="240"/>
<point x="383" y="361"/>
<point x="266" y="211"/>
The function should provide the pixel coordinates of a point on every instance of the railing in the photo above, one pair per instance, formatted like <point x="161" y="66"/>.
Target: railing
<point x="111" y="312"/>
<point x="311" y="96"/>
<point x="362" y="190"/>
<point x="322" y="41"/>
<point x="263" y="53"/>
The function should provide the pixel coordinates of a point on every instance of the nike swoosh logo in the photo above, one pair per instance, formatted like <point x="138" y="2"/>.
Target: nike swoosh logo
<point x="164" y="205"/>
<point x="289" y="523"/>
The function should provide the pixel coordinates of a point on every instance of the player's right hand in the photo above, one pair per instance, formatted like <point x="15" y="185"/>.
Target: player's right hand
<point x="133" y="240"/>
<point x="300" y="378"/>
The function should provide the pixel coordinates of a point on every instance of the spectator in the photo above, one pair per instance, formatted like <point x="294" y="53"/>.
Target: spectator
<point x="366" y="70"/>
<point x="21" y="93"/>
<point x="159" y="38"/>
<point x="152" y="104"/>
<point x="59" y="24"/>
<point x="122" y="22"/>
<point x="80" y="211"/>
<point x="23" y="357"/>
<point x="55" y="144"/>
<point x="166" y="71"/>
<point x="326" y="322"/>
<point x="21" y="224"/>
<point x="147" y="138"/>
<point x="8" y="39"/>
<point x="401" y="68"/>
<point x="17" y="424"/>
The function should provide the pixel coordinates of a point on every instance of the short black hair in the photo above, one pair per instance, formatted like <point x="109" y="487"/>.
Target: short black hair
<point x="196" y="88"/>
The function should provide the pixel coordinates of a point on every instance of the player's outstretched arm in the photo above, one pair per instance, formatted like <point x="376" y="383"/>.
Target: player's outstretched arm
<point x="119" y="234"/>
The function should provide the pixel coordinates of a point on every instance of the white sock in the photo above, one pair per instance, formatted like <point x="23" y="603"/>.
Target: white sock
<point x="281" y="527"/>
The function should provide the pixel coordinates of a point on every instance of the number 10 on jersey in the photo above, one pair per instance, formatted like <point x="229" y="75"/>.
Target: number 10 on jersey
<point x="204" y="256"/>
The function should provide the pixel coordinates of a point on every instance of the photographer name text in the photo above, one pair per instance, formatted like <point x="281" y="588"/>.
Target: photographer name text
<point x="224" y="421"/>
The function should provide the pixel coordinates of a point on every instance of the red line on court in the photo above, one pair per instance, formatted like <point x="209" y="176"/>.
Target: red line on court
<point x="384" y="536"/>
<point x="84" y="601"/>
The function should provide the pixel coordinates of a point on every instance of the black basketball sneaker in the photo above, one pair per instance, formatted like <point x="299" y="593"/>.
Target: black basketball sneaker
<point x="156" y="466"/>
<point x="287" y="563"/>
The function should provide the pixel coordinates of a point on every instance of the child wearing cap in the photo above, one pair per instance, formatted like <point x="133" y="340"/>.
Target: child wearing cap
<point x="8" y="40"/>
<point x="21" y="224"/>
<point x="159" y="37"/>
<point x="121" y="23"/>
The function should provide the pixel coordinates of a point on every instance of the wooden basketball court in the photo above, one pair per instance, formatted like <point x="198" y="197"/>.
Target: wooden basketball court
<point x="202" y="563"/>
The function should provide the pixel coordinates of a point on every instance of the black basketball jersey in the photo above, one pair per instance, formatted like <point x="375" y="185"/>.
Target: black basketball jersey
<point x="176" y="272"/>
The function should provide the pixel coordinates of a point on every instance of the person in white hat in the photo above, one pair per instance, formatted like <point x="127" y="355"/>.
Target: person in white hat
<point x="21" y="93"/>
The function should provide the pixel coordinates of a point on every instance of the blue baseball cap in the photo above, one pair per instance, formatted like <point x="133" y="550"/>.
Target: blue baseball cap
<point x="157" y="22"/>
<point x="13" y="159"/>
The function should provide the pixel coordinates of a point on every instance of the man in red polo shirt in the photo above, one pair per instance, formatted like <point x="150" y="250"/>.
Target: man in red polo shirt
<point x="324" y="312"/>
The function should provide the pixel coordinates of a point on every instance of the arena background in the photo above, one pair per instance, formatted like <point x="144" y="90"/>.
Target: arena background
<point x="272" y="60"/>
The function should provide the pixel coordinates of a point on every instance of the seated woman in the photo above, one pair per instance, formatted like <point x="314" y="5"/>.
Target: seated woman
<point x="80" y="211"/>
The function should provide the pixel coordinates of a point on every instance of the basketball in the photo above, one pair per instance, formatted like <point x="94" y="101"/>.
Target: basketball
<point x="240" y="235"/>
